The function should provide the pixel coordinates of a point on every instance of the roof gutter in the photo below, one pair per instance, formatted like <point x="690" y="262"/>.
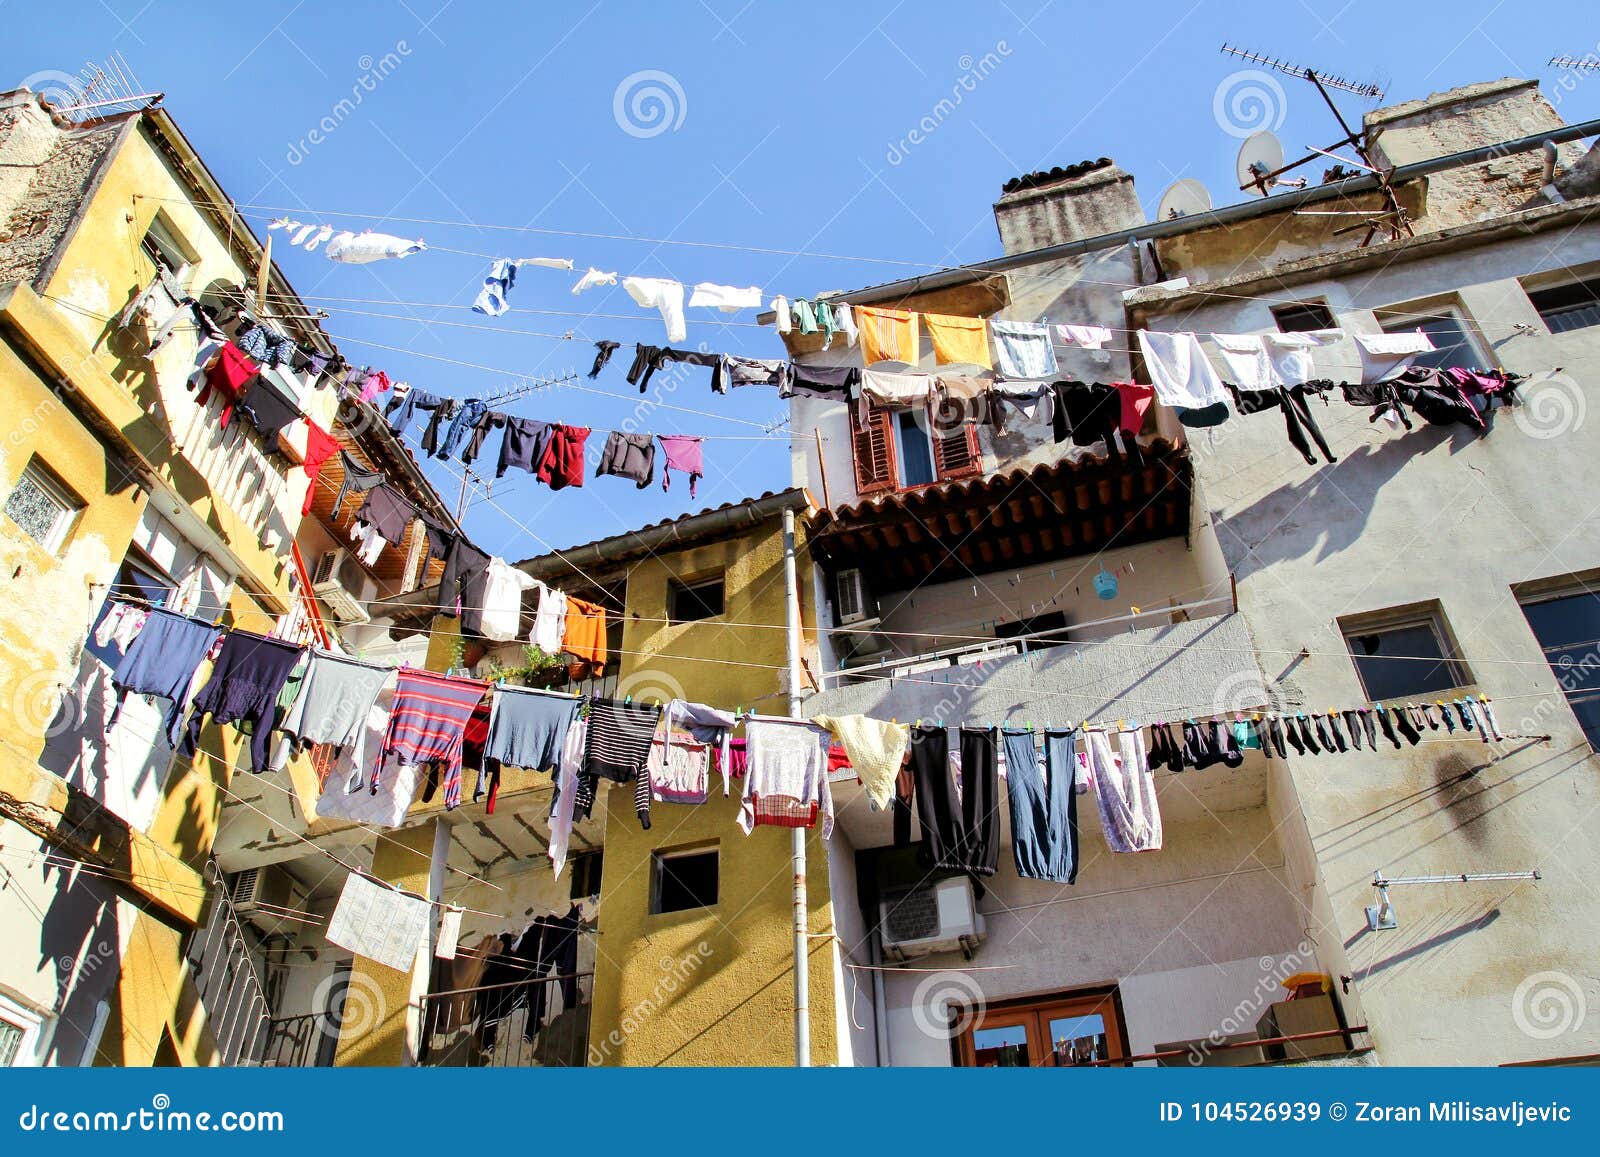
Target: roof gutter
<point x="1228" y="214"/>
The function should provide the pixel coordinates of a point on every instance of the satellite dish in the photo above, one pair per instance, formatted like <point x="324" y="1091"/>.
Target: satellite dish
<point x="1261" y="153"/>
<point x="1184" y="198"/>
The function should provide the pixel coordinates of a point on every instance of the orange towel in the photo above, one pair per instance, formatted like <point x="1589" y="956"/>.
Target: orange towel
<point x="586" y="631"/>
<point x="888" y="335"/>
<point x="959" y="339"/>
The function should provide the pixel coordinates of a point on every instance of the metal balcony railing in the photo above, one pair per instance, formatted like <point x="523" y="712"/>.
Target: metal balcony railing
<point x="537" y="1022"/>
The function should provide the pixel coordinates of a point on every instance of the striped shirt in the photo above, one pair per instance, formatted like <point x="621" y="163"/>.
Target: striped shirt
<point x="428" y="724"/>
<point x="619" y="738"/>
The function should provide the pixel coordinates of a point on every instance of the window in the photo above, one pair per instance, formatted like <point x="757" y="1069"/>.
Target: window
<point x="1065" y="1031"/>
<point x="19" y="1031"/>
<point x="166" y="249"/>
<point x="1403" y="654"/>
<point x="1574" y="305"/>
<point x="690" y="602"/>
<point x="10" y="1043"/>
<point x="1303" y="316"/>
<point x="586" y="869"/>
<point x="900" y="448"/>
<point x="43" y="506"/>
<point x="1453" y="342"/>
<point x="683" y="880"/>
<point x="1567" y="625"/>
<point x="915" y="450"/>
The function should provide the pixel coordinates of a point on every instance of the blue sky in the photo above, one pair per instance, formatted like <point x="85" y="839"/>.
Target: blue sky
<point x="785" y="156"/>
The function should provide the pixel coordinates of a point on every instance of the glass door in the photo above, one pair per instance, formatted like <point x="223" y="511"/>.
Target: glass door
<point x="1058" y="1033"/>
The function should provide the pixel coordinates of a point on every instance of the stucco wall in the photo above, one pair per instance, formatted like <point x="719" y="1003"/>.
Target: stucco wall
<point x="1437" y="514"/>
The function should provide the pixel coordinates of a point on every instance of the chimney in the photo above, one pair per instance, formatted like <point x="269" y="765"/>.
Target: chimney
<point x="1064" y="204"/>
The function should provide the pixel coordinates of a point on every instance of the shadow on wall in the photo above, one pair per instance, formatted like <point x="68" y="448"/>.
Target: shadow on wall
<point x="1312" y="518"/>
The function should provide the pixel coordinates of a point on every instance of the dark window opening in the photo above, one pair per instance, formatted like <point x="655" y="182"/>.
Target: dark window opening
<point x="1452" y="344"/>
<point x="916" y="451"/>
<point x="1568" y="629"/>
<point x="1404" y="658"/>
<point x="683" y="881"/>
<point x="692" y="602"/>
<point x="1303" y="316"/>
<point x="1575" y="305"/>
<point x="586" y="869"/>
<point x="1051" y="621"/>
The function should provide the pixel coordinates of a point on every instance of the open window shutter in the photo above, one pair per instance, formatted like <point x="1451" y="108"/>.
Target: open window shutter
<point x="872" y="434"/>
<point x="955" y="453"/>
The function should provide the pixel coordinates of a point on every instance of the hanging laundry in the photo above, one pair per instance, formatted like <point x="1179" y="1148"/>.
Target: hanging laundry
<point x="682" y="452"/>
<point x="1090" y="337"/>
<point x="786" y="783"/>
<point x="1163" y="749"/>
<point x="461" y="426"/>
<point x="331" y="705"/>
<point x="619" y="738"/>
<point x="320" y="446"/>
<point x="1087" y="414"/>
<point x="1024" y="349"/>
<point x="358" y="479"/>
<point x="546" y="262"/>
<point x="959" y="824"/>
<point x="602" y="354"/>
<point x="497" y="286"/>
<point x="524" y="445"/>
<point x="631" y="456"/>
<point x="1135" y="400"/>
<point x="227" y="377"/>
<point x="464" y="583"/>
<point x="487" y="421"/>
<point x="825" y="323"/>
<point x="428" y="724"/>
<point x="549" y="620"/>
<point x="887" y="388"/>
<point x="162" y="660"/>
<point x="564" y="810"/>
<point x="1044" y="809"/>
<point x="1387" y="355"/>
<point x="584" y="632"/>
<point x="805" y="319"/>
<point x="527" y="728"/>
<point x="592" y="279"/>
<point x="888" y="335"/>
<point x="243" y="688"/>
<point x="648" y="359"/>
<point x="379" y="923"/>
<point x="387" y="512"/>
<point x="743" y="371"/>
<point x="959" y="340"/>
<point x="727" y="298"/>
<point x="365" y="248"/>
<point x="832" y="383"/>
<point x="845" y="320"/>
<point x="376" y="382"/>
<point x="503" y="586"/>
<point x="1125" y="791"/>
<point x="1182" y="376"/>
<point x="562" y="464"/>
<point x="876" y="749"/>
<point x="268" y="411"/>
<point x="964" y="399"/>
<point x="119" y="625"/>
<point x="780" y="308"/>
<point x="1034" y="401"/>
<point x="661" y="294"/>
<point x="402" y="407"/>
<point x="1297" y="418"/>
<point x="689" y="739"/>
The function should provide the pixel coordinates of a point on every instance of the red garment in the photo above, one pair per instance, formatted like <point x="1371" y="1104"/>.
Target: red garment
<point x="227" y="375"/>
<point x="838" y="758"/>
<point x="320" y="446"/>
<point x="562" y="465"/>
<point x="1135" y="400"/>
<point x="738" y="758"/>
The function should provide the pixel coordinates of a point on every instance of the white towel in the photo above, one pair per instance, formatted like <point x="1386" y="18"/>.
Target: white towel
<point x="891" y="389"/>
<point x="662" y="294"/>
<point x="1179" y="370"/>
<point x="727" y="298"/>
<point x="1125" y="791"/>
<point x="1090" y="337"/>
<point x="1387" y="355"/>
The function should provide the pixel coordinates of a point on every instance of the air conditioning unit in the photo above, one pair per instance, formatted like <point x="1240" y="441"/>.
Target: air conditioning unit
<point x="342" y="586"/>
<point x="939" y="917"/>
<point x="852" y="600"/>
<point x="268" y="898"/>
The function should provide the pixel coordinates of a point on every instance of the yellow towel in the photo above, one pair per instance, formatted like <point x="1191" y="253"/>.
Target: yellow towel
<point x="876" y="748"/>
<point x="888" y="335"/>
<point x="959" y="340"/>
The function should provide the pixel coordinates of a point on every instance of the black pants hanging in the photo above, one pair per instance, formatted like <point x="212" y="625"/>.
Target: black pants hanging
<point x="980" y="800"/>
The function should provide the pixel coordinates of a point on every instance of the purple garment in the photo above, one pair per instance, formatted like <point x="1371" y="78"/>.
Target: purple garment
<point x="162" y="660"/>
<point x="683" y="452"/>
<point x="245" y="680"/>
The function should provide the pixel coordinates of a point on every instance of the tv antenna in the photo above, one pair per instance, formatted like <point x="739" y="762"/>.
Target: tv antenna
<point x="1582" y="64"/>
<point x="1392" y="220"/>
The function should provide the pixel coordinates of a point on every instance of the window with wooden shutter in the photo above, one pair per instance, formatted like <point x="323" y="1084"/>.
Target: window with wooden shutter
<point x="955" y="452"/>
<point x="872" y="436"/>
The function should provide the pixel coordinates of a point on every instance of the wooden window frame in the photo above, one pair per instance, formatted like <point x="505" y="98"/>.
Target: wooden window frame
<point x="955" y="455"/>
<point x="1035" y="1013"/>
